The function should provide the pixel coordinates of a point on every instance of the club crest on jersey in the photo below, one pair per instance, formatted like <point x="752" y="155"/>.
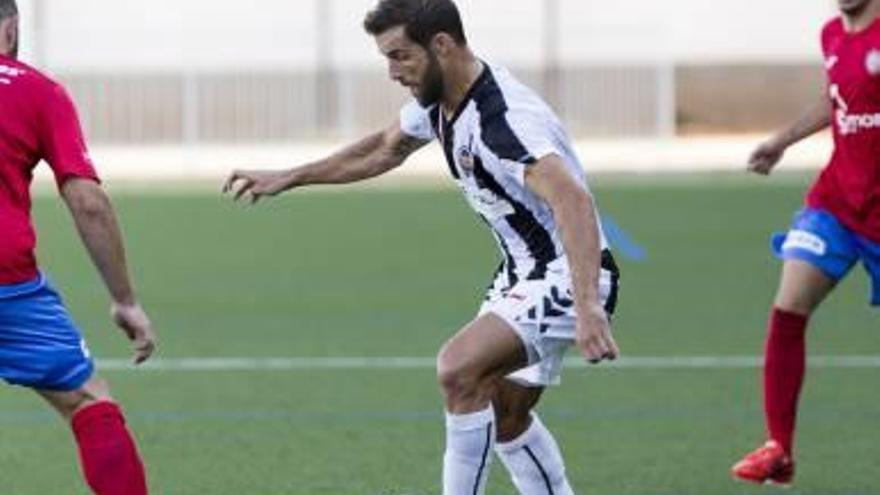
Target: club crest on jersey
<point x="466" y="159"/>
<point x="872" y="62"/>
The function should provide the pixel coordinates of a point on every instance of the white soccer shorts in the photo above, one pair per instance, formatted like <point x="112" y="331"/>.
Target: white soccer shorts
<point x="542" y="314"/>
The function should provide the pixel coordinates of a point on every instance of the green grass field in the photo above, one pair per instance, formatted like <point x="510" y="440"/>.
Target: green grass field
<point x="394" y="273"/>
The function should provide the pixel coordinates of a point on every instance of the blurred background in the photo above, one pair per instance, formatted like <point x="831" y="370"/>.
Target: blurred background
<point x="203" y="72"/>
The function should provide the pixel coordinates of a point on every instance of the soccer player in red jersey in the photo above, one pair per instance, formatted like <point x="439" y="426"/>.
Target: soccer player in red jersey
<point x="40" y="345"/>
<point x="839" y="226"/>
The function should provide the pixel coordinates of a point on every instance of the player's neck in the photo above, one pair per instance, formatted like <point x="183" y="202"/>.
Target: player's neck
<point x="459" y="81"/>
<point x="862" y="20"/>
<point x="9" y="37"/>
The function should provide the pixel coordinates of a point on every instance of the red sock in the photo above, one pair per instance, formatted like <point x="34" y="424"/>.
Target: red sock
<point x="784" y="364"/>
<point x="109" y="457"/>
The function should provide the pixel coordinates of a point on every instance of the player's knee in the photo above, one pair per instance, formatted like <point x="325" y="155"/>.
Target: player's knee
<point x="797" y="302"/>
<point x="456" y="381"/>
<point x="69" y="403"/>
<point x="455" y="378"/>
<point x="96" y="389"/>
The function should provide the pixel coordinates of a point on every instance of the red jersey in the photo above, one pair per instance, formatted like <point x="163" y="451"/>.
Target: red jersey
<point x="849" y="187"/>
<point x="38" y="121"/>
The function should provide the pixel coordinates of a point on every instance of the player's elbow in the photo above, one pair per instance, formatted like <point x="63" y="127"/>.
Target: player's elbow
<point x="85" y="198"/>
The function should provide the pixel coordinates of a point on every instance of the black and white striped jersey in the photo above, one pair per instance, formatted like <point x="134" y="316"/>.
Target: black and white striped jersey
<point x="501" y="128"/>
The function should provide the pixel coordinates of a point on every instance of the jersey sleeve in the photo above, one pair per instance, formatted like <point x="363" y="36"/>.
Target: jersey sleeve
<point x="538" y="131"/>
<point x="521" y="136"/>
<point x="415" y="121"/>
<point x="64" y="146"/>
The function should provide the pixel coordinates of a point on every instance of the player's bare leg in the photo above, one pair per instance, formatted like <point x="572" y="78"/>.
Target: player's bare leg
<point x="525" y="446"/>
<point x="108" y="454"/>
<point x="802" y="289"/>
<point x="513" y="405"/>
<point x="69" y="403"/>
<point x="469" y="369"/>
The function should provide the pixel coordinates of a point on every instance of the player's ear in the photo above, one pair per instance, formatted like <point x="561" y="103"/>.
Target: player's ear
<point x="441" y="44"/>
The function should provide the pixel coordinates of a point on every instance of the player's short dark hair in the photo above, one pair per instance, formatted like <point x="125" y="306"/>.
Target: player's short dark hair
<point x="8" y="8"/>
<point x="422" y="19"/>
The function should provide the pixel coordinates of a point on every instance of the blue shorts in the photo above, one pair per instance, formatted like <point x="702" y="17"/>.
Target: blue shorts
<point x="40" y="345"/>
<point x="818" y="238"/>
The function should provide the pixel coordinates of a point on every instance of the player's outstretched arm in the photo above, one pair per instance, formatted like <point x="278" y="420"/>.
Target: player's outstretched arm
<point x="373" y="155"/>
<point x="575" y="214"/>
<point x="769" y="153"/>
<point x="97" y="225"/>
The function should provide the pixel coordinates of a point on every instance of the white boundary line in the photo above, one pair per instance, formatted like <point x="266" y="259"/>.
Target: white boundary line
<point x="398" y="363"/>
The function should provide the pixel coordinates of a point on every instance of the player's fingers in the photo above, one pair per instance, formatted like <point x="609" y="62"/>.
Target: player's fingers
<point x="759" y="167"/>
<point x="613" y="349"/>
<point x="602" y="349"/>
<point x="256" y="196"/>
<point x="143" y="350"/>
<point x="125" y="326"/>
<point x="245" y="187"/>
<point x="592" y="352"/>
<point x="231" y="180"/>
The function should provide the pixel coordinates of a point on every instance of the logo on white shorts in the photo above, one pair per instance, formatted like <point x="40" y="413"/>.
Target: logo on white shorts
<point x="807" y="241"/>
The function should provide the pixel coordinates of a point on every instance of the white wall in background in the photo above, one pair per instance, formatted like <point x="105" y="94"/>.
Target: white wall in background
<point x="134" y="35"/>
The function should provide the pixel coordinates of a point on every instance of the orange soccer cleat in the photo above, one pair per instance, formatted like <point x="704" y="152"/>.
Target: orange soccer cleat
<point x="768" y="464"/>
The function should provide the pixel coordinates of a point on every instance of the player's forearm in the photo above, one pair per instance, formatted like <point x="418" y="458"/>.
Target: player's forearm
<point x="362" y="160"/>
<point x="576" y="218"/>
<point x="815" y="120"/>
<point x="99" y="230"/>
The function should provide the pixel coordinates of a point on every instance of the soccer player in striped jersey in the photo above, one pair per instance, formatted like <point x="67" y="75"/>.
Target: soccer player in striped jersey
<point x="40" y="345"/>
<point x="839" y="226"/>
<point x="514" y="163"/>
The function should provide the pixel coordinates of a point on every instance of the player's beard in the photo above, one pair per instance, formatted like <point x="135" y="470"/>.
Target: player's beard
<point x="853" y="8"/>
<point x="432" y="86"/>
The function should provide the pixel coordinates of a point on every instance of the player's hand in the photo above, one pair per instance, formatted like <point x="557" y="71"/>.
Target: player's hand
<point x="765" y="157"/>
<point x="593" y="335"/>
<point x="256" y="183"/>
<point x="132" y="319"/>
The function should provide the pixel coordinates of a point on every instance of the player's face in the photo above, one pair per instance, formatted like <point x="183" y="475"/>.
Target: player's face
<point x="853" y="7"/>
<point x="412" y="66"/>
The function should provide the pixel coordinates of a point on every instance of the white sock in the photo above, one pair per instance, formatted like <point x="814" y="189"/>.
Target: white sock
<point x="535" y="462"/>
<point x="469" y="441"/>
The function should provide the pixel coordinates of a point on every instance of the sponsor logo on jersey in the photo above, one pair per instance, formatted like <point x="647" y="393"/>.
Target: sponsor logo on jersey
<point x="485" y="202"/>
<point x="831" y="61"/>
<point x="872" y="62"/>
<point x="805" y="241"/>
<point x="848" y="123"/>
